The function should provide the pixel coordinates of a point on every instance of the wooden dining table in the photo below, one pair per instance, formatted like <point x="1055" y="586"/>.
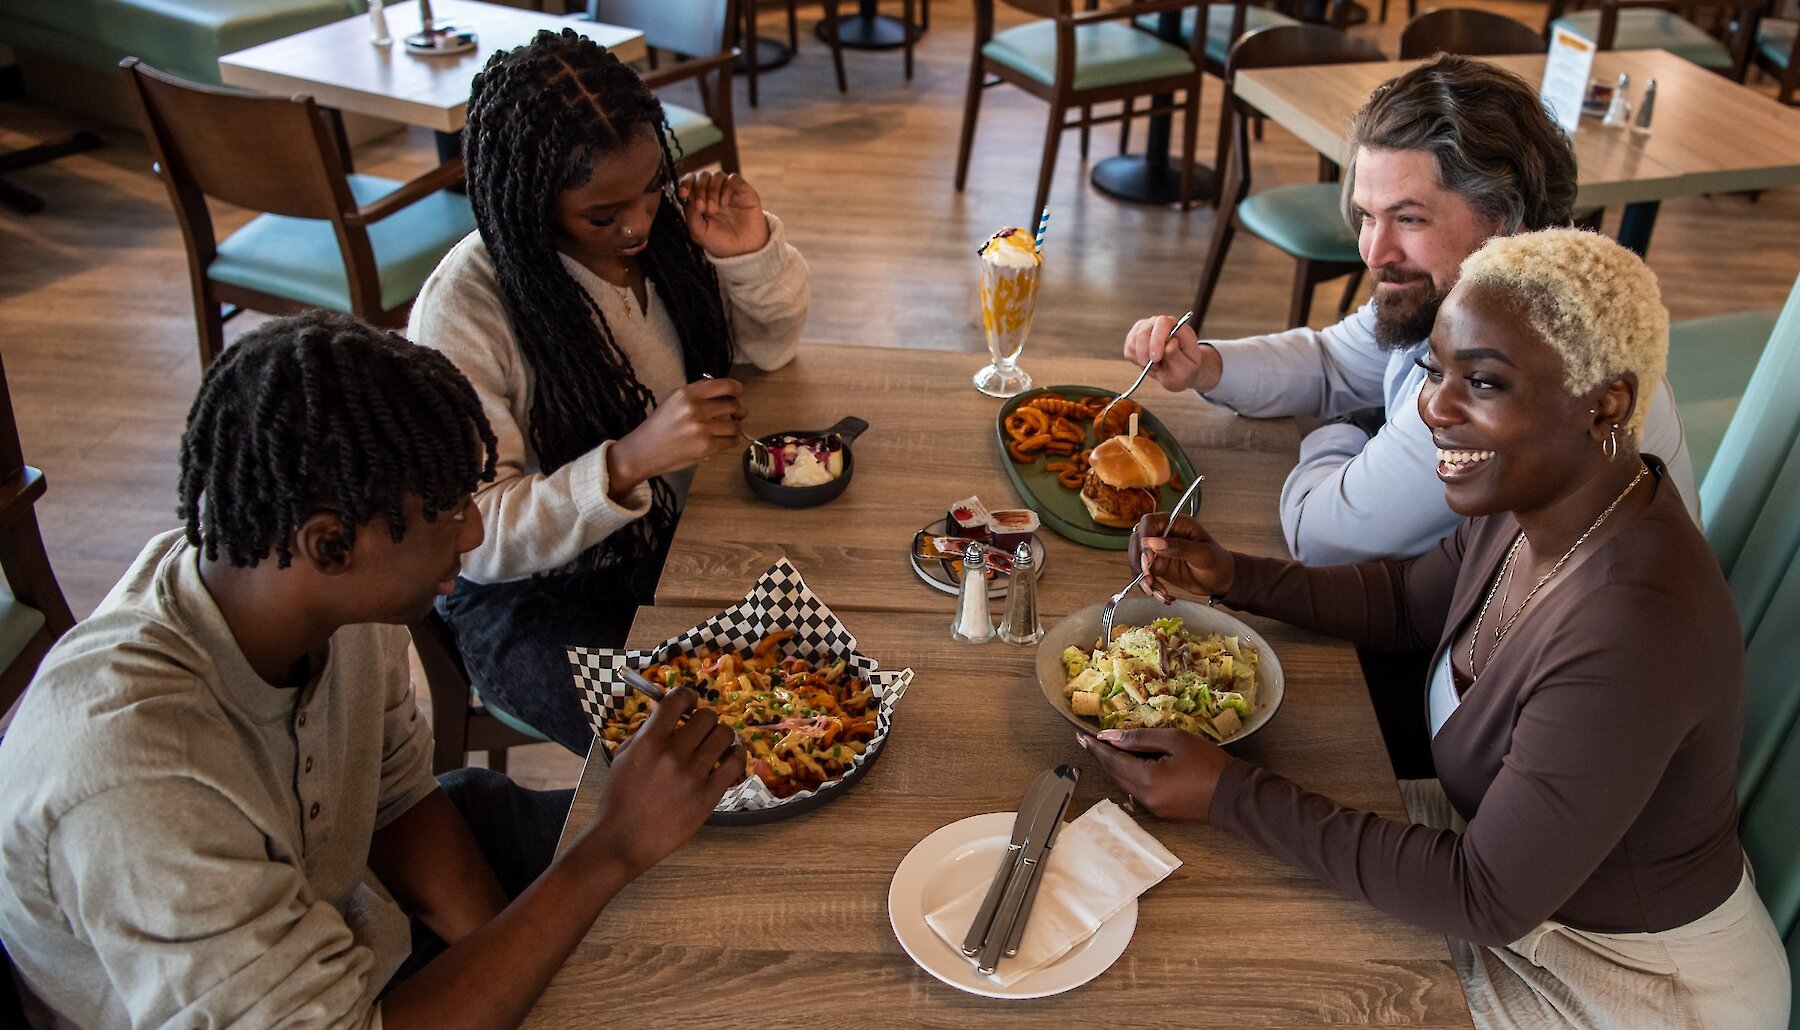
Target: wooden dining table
<point x="787" y="923"/>
<point x="1708" y="134"/>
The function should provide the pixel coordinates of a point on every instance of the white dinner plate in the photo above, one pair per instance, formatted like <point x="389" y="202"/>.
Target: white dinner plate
<point x="957" y="859"/>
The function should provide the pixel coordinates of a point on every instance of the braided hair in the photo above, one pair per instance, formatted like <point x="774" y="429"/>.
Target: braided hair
<point x="320" y="412"/>
<point x="538" y="117"/>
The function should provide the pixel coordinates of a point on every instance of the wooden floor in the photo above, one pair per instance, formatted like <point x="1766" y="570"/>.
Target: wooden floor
<point x="97" y="331"/>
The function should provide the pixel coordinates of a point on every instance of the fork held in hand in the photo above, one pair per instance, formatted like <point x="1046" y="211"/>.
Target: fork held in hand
<point x="760" y="459"/>
<point x="1148" y="365"/>
<point x="1112" y="604"/>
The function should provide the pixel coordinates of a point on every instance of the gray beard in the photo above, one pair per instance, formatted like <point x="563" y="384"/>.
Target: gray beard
<point x="1399" y="326"/>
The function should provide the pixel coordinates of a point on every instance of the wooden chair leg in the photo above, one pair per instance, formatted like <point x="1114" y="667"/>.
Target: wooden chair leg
<point x="750" y="47"/>
<point x="1224" y="227"/>
<point x="906" y="25"/>
<point x="210" y="325"/>
<point x="1351" y="286"/>
<point x="496" y="759"/>
<point x="1047" y="169"/>
<point x="1190" y="132"/>
<point x="1222" y="146"/>
<point x="924" y="15"/>
<point x="1087" y="114"/>
<point x="793" y="7"/>
<point x="1256" y="127"/>
<point x="1300" y="307"/>
<point x="1125" y="125"/>
<point x="837" y="45"/>
<point x="971" y="108"/>
<point x="1383" y="14"/>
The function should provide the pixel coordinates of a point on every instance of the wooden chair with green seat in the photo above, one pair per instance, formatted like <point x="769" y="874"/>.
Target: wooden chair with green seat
<point x="1304" y="221"/>
<point x="33" y="613"/>
<point x="327" y="239"/>
<point x="1752" y="454"/>
<point x="1074" y="60"/>
<point x="460" y="721"/>
<point x="699" y="32"/>
<point x="1661" y="25"/>
<point x="1226" y="23"/>
<point x="1467" y="31"/>
<point x="1777" y="52"/>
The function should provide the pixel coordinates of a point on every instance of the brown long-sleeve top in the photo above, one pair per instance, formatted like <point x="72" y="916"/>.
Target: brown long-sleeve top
<point x="1595" y="760"/>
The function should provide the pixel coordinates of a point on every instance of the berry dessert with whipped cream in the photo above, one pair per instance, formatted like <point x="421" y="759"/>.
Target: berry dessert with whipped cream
<point x="805" y="461"/>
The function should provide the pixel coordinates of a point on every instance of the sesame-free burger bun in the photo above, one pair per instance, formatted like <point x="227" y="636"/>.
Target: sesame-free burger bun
<point x="1130" y="461"/>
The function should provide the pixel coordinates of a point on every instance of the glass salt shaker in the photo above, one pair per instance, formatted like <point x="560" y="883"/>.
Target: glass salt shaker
<point x="1618" y="112"/>
<point x="973" y="624"/>
<point x="1021" y="625"/>
<point x="378" y="26"/>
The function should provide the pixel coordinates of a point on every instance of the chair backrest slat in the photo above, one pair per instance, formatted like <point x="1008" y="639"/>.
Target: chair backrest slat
<point x="691" y="28"/>
<point x="1467" y="31"/>
<point x="257" y="152"/>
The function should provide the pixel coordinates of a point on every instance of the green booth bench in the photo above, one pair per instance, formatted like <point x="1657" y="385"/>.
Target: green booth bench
<point x="70" y="50"/>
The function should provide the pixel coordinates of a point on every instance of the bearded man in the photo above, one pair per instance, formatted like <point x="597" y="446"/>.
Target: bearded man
<point x="1442" y="158"/>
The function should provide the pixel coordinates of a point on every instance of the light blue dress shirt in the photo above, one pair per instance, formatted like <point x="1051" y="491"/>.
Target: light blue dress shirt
<point x="1356" y="498"/>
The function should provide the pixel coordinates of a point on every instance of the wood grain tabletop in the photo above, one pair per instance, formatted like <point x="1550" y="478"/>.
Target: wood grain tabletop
<point x="1709" y="134"/>
<point x="932" y="440"/>
<point x="787" y="923"/>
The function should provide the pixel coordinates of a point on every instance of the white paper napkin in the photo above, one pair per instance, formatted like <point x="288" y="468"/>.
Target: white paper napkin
<point x="1100" y="863"/>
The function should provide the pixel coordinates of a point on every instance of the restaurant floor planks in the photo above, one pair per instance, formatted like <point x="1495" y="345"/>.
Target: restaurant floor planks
<point x="787" y="923"/>
<point x="931" y="441"/>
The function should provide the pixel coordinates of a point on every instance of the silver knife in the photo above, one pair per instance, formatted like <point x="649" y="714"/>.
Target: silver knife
<point x="1041" y="788"/>
<point x="1017" y="935"/>
<point x="1021" y="890"/>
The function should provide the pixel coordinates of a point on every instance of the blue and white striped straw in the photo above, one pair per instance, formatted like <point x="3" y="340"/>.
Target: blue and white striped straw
<point x="1043" y="224"/>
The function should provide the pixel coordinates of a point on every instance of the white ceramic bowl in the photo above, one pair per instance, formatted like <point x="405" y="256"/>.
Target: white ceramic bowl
<point x="1082" y="629"/>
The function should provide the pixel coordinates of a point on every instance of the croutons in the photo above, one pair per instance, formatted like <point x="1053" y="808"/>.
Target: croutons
<point x="1084" y="702"/>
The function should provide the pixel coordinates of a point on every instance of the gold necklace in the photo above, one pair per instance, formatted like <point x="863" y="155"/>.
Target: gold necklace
<point x="1505" y="573"/>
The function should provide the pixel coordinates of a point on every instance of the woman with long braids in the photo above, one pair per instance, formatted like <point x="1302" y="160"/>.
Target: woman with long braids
<point x="597" y="310"/>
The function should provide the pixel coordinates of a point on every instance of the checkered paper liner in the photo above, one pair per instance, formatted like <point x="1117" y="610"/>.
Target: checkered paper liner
<point x="779" y="601"/>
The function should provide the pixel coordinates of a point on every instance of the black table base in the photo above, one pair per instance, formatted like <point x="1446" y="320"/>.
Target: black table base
<point x="1138" y="179"/>
<point x="867" y="32"/>
<point x="770" y="54"/>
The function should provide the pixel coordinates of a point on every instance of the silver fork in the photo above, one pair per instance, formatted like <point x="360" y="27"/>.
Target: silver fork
<point x="760" y="459"/>
<point x="1148" y="365"/>
<point x="1112" y="603"/>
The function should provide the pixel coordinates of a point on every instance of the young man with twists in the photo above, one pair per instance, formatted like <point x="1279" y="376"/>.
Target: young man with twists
<point x="219" y="806"/>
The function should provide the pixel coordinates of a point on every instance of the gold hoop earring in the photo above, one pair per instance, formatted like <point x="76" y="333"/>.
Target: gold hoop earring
<point x="1611" y="447"/>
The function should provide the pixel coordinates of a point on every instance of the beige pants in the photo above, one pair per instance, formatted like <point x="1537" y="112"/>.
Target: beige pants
<point x="1727" y="969"/>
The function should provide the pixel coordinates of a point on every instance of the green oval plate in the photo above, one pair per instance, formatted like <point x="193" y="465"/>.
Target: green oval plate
<point x="1059" y="507"/>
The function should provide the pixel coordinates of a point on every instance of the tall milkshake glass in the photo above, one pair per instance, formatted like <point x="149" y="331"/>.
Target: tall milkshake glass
<point x="1009" y="285"/>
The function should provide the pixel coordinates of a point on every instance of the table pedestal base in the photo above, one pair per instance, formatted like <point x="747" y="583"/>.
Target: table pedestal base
<point x="770" y="54"/>
<point x="1135" y="179"/>
<point x="866" y="32"/>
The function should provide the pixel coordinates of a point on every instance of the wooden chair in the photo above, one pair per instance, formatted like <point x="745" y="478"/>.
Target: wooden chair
<point x="1075" y="60"/>
<point x="460" y="722"/>
<point x="698" y="32"/>
<point x="1777" y="53"/>
<point x="1467" y="31"/>
<point x="1304" y="221"/>
<point x="1661" y="25"/>
<point x="329" y="239"/>
<point x="33" y="613"/>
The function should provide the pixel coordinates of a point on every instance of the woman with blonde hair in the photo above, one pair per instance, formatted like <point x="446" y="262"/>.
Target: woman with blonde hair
<point x="1585" y="701"/>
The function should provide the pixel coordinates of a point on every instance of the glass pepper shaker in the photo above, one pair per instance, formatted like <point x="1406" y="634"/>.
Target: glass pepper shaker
<point x="1645" y="109"/>
<point x="1021" y="625"/>
<point x="973" y="624"/>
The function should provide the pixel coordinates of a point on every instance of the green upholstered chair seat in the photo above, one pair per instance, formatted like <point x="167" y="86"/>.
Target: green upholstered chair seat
<point x="1710" y="361"/>
<point x="1218" y="27"/>
<point x="693" y="130"/>
<point x="1775" y="39"/>
<point x="1108" y="54"/>
<point x="508" y="719"/>
<point x="1654" y="29"/>
<point x="18" y="624"/>
<point x="1303" y="220"/>
<point x="191" y="35"/>
<point x="299" y="257"/>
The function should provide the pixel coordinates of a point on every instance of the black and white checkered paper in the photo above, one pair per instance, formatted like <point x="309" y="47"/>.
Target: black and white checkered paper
<point x="779" y="601"/>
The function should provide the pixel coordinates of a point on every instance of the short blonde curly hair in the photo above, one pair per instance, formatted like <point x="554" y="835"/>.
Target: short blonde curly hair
<point x="1594" y="302"/>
